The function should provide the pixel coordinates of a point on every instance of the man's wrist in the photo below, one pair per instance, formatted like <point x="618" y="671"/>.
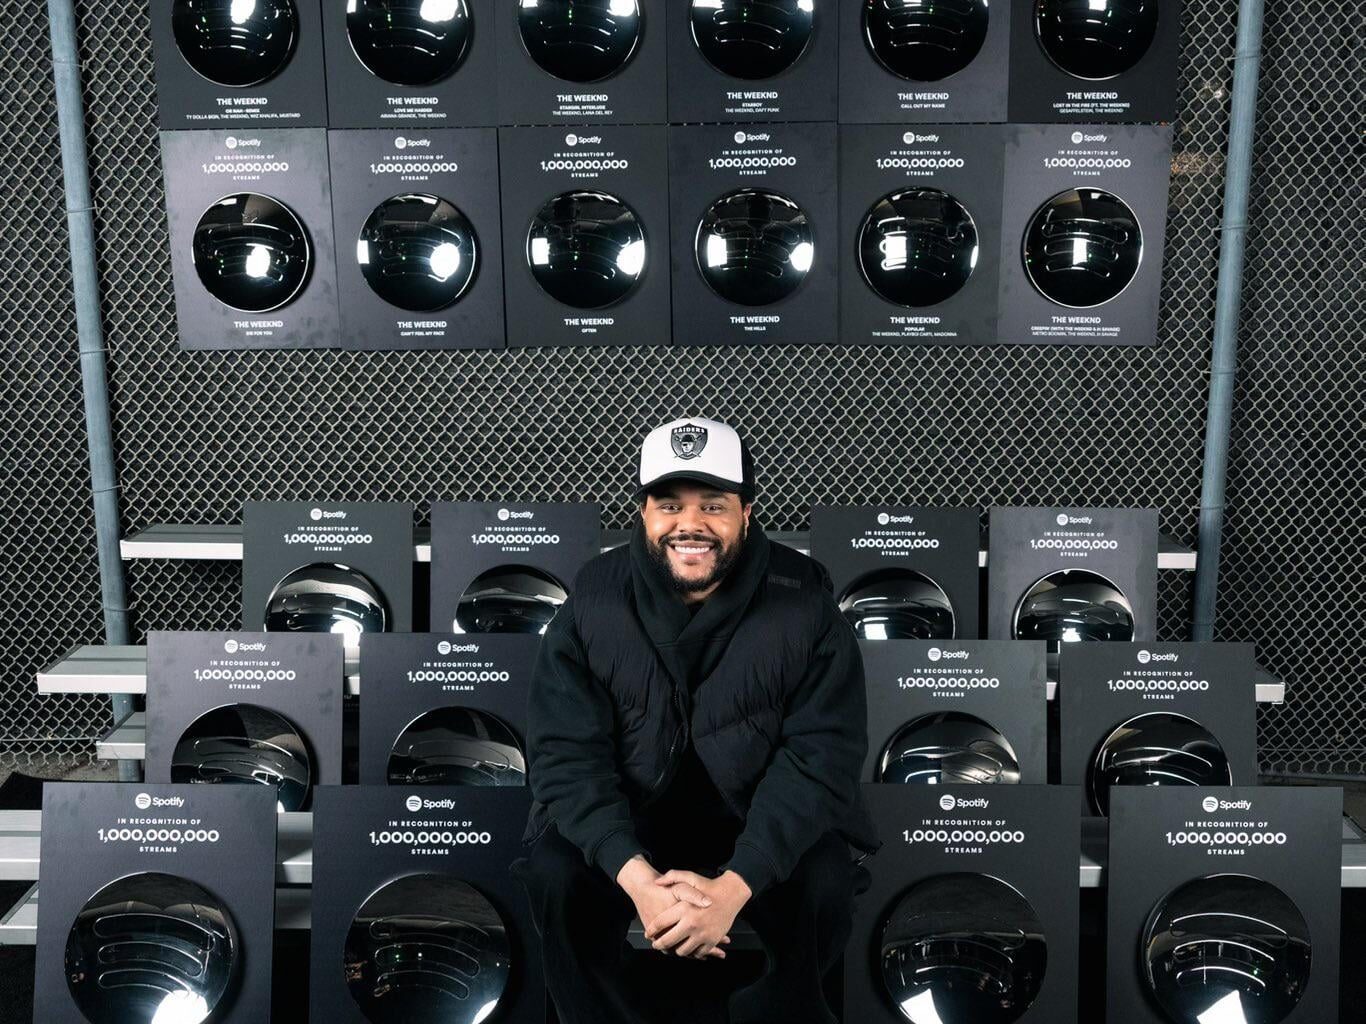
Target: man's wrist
<point x="735" y="886"/>
<point x="635" y="873"/>
<point x="753" y="866"/>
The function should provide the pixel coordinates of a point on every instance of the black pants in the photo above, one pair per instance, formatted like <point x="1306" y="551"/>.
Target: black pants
<point x="582" y="917"/>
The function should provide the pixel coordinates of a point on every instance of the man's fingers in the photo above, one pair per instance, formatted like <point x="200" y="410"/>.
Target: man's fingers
<point x="716" y="952"/>
<point x="665" y="919"/>
<point x="689" y="894"/>
<point x="675" y="876"/>
<point x="689" y="946"/>
<point x="671" y="938"/>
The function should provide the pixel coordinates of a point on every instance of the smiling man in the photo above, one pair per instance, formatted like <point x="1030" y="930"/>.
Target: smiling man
<point x="696" y="730"/>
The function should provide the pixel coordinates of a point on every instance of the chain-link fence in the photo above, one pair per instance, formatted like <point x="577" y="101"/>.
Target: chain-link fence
<point x="49" y="582"/>
<point x="1295" y="543"/>
<point x="198" y="433"/>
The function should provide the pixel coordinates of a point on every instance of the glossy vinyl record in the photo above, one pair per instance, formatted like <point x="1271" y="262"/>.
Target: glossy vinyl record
<point x="324" y="597"/>
<point x="1095" y="39"/>
<point x="235" y="43"/>
<point x="457" y="746"/>
<point x="246" y="745"/>
<point x="409" y="42"/>
<point x="427" y="949"/>
<point x="1157" y="749"/>
<point x="917" y="247"/>
<point x="152" y="948"/>
<point x="580" y="40"/>
<point x="925" y="40"/>
<point x="586" y="249"/>
<point x="417" y="252"/>
<point x="963" y="949"/>
<point x="1083" y="247"/>
<point x="1072" y="605"/>
<point x="251" y="252"/>
<point x="947" y="748"/>
<point x="752" y="39"/>
<point x="754" y="246"/>
<point x="1226" y="949"/>
<point x="509" y="599"/>
<point x="898" y="604"/>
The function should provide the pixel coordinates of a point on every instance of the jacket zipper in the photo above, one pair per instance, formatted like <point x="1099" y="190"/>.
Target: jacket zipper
<point x="670" y="765"/>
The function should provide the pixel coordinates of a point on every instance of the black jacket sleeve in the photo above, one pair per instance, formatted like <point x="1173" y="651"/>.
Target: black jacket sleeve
<point x="813" y="778"/>
<point x="571" y="751"/>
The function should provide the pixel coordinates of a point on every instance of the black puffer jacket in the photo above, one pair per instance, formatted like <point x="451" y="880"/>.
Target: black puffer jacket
<point x="778" y="716"/>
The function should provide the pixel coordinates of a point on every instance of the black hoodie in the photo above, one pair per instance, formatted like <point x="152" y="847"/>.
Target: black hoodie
<point x="765" y="680"/>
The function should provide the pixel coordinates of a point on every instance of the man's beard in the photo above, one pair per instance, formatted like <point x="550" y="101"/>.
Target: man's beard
<point x="725" y="559"/>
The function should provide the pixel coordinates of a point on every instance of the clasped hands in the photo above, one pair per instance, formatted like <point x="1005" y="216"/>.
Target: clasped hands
<point x="683" y="912"/>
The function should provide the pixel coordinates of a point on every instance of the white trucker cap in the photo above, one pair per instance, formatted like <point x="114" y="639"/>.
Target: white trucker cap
<point x="697" y="449"/>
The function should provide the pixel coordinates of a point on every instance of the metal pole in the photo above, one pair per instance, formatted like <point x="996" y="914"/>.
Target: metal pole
<point x="1247" y="60"/>
<point x="66" y="75"/>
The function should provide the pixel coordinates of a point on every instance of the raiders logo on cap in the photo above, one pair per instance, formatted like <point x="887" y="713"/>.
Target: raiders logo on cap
<point x="710" y="452"/>
<point x="688" y="440"/>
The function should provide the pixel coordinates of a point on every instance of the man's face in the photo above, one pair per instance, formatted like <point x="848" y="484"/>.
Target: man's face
<point x="695" y="532"/>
